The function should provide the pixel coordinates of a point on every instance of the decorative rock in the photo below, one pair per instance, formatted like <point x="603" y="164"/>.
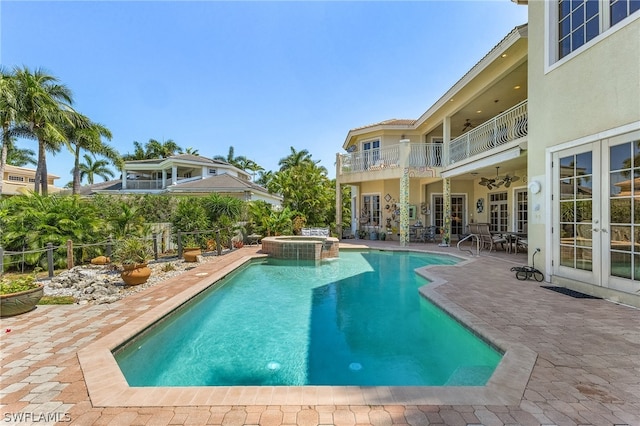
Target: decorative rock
<point x="100" y="260"/>
<point x="98" y="284"/>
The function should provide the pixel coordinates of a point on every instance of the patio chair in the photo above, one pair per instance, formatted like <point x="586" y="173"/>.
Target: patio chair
<point x="429" y="233"/>
<point x="487" y="239"/>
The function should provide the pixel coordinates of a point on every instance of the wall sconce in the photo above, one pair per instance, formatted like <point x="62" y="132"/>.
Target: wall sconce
<point x="534" y="186"/>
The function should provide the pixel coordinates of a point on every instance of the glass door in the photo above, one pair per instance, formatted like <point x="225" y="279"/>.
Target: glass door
<point x="596" y="219"/>
<point x="498" y="212"/>
<point x="621" y="226"/>
<point x="576" y="218"/>
<point x="458" y="209"/>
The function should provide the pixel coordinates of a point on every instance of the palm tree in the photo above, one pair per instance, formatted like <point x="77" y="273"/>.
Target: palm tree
<point x="153" y="149"/>
<point x="191" y="150"/>
<point x="168" y="148"/>
<point x="20" y="157"/>
<point x="88" y="136"/>
<point x="42" y="105"/>
<point x="249" y="165"/>
<point x="232" y="159"/>
<point x="138" y="153"/>
<point x="90" y="169"/>
<point x="296" y="158"/>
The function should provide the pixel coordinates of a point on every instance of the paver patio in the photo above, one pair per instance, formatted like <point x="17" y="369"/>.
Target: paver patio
<point x="587" y="370"/>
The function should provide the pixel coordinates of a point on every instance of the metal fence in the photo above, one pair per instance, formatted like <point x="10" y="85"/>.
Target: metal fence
<point x="161" y="242"/>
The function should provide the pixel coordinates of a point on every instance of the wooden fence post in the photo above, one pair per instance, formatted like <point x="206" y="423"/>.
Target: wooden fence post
<point x="218" y="245"/>
<point x="155" y="246"/>
<point x="50" y="259"/>
<point x="179" y="244"/>
<point x="69" y="254"/>
<point x="109" y="246"/>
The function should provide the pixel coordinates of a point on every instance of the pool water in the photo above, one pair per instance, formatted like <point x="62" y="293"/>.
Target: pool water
<point x="355" y="320"/>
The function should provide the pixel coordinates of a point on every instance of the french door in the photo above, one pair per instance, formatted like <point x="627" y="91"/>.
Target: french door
<point x="596" y="213"/>
<point x="458" y="213"/>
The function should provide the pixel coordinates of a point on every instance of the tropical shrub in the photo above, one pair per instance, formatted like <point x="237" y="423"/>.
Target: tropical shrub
<point x="217" y="205"/>
<point x="32" y="221"/>
<point x="190" y="216"/>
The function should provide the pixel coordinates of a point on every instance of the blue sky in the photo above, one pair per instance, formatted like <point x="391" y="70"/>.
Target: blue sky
<point x="260" y="76"/>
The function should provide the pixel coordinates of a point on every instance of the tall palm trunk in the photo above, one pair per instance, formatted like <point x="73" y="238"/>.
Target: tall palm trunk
<point x="41" y="170"/>
<point x="76" y="171"/>
<point x="3" y="162"/>
<point x="3" y="153"/>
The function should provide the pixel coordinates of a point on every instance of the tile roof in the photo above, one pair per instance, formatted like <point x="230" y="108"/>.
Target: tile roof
<point x="392" y="122"/>
<point x="219" y="183"/>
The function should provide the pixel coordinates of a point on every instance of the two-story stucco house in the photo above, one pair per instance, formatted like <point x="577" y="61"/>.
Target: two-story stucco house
<point x="21" y="180"/>
<point x="184" y="174"/>
<point x="584" y="144"/>
<point x="542" y="137"/>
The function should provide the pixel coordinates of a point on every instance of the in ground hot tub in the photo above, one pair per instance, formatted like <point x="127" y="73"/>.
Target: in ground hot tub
<point x="301" y="247"/>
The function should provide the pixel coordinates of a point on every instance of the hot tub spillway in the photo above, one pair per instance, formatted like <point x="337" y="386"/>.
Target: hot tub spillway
<point x="301" y="247"/>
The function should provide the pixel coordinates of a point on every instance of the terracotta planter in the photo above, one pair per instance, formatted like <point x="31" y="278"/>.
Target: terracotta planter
<point x="135" y="274"/>
<point x="19" y="303"/>
<point x="190" y="254"/>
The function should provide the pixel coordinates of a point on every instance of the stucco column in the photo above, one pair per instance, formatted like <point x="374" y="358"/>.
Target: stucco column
<point x="338" y="198"/>
<point x="405" y="149"/>
<point x="164" y="178"/>
<point x="124" y="179"/>
<point x="174" y="175"/>
<point x="446" y="139"/>
<point x="446" y="211"/>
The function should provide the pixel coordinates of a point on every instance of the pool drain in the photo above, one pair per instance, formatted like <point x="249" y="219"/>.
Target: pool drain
<point x="273" y="366"/>
<point x="355" y="366"/>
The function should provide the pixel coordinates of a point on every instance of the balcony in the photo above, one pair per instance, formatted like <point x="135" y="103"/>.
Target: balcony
<point x="421" y="154"/>
<point x="507" y="127"/>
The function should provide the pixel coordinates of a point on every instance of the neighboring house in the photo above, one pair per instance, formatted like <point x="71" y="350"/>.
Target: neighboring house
<point x="559" y="111"/>
<point x="20" y="180"/>
<point x="184" y="174"/>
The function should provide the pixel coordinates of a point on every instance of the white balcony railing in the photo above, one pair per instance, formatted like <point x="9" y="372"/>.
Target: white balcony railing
<point x="143" y="184"/>
<point x="421" y="154"/>
<point x="506" y="127"/>
<point x="503" y="128"/>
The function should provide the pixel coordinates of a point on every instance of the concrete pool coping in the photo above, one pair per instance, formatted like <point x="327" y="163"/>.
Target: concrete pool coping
<point x="108" y="387"/>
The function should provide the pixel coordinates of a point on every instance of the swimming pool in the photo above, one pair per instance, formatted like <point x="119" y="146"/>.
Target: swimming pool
<point x="357" y="320"/>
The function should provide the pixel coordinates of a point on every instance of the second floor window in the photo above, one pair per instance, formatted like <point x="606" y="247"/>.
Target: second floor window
<point x="371" y="151"/>
<point x="580" y="21"/>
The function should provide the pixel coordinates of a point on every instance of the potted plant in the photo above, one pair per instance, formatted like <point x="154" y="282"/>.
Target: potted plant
<point x="133" y="254"/>
<point x="19" y="295"/>
<point x="190" y="249"/>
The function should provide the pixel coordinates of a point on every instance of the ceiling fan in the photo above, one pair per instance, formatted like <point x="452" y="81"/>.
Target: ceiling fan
<point x="491" y="183"/>
<point x="508" y="179"/>
<point x="498" y="181"/>
<point x="467" y="125"/>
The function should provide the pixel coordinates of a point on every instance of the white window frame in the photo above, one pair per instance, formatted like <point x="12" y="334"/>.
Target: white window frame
<point x="551" y="33"/>
<point x="371" y="213"/>
<point x="515" y="210"/>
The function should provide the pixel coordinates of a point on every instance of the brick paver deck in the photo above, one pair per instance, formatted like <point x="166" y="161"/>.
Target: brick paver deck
<point x="587" y="370"/>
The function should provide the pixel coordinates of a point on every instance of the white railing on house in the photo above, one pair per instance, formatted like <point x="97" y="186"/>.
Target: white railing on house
<point x="143" y="184"/>
<point x="421" y="154"/>
<point x="503" y="128"/>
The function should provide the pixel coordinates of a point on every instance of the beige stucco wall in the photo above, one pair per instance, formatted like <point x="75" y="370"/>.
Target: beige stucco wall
<point x="591" y="92"/>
